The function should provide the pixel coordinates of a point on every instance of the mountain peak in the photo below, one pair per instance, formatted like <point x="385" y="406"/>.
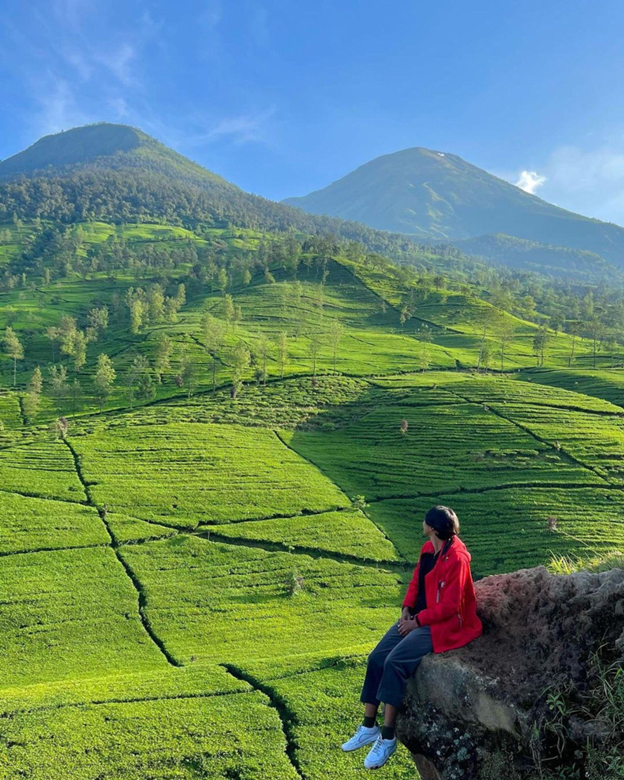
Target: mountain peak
<point x="106" y="146"/>
<point x="76" y="146"/>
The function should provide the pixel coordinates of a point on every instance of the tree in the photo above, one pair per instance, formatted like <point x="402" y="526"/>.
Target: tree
<point x="596" y="332"/>
<point x="282" y="351"/>
<point x="103" y="379"/>
<point x="487" y="316"/>
<point x="79" y="351"/>
<point x="336" y="332"/>
<point x="137" y="313"/>
<point x="240" y="363"/>
<point x="425" y="336"/>
<point x="540" y="340"/>
<point x="58" y="381"/>
<point x="229" y="311"/>
<point x="264" y="347"/>
<point x="574" y="330"/>
<point x="315" y="348"/>
<point x="155" y="304"/>
<point x="13" y="349"/>
<point x="222" y="280"/>
<point x="188" y="374"/>
<point x="97" y="321"/>
<point x="139" y="379"/>
<point x="162" y="360"/>
<point x="32" y="400"/>
<point x="213" y="331"/>
<point x="505" y="329"/>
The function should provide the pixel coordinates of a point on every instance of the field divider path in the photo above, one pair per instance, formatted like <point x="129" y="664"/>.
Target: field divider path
<point x="310" y="552"/>
<point x="126" y="567"/>
<point x="489" y="488"/>
<point x="537" y="437"/>
<point x="391" y="305"/>
<point x="287" y="718"/>
<point x="319" y="469"/>
<point x="41" y="497"/>
<point x="129" y="700"/>
<point x="279" y="516"/>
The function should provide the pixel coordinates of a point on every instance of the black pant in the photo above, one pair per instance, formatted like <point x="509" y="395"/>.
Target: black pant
<point x="392" y="663"/>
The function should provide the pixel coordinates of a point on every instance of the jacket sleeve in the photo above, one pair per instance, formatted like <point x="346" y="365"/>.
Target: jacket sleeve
<point x="450" y="595"/>
<point x="412" y="589"/>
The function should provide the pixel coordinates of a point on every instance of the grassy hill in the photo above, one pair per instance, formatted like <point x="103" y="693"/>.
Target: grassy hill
<point x="211" y="495"/>
<point x="436" y="195"/>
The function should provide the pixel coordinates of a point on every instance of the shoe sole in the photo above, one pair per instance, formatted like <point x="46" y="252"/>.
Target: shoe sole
<point x="379" y="766"/>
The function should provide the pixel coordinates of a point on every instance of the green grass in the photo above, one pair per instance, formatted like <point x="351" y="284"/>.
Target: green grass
<point x="162" y="682"/>
<point x="596" y="441"/>
<point x="348" y="533"/>
<point x="217" y="603"/>
<point x="234" y="538"/>
<point x="43" y="468"/>
<point x="40" y="524"/>
<point x="447" y="447"/>
<point x="237" y="735"/>
<point x="605" y="383"/>
<point x="10" y="416"/>
<point x="325" y="711"/>
<point x="70" y="614"/>
<point x="506" y="530"/>
<point x="187" y="474"/>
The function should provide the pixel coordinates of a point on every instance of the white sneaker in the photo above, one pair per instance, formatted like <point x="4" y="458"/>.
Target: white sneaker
<point x="380" y="752"/>
<point x="363" y="736"/>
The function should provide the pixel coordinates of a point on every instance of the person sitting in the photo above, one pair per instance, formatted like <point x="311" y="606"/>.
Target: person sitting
<point x="439" y="613"/>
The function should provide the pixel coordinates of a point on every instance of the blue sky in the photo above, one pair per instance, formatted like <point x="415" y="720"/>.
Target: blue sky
<point x="284" y="97"/>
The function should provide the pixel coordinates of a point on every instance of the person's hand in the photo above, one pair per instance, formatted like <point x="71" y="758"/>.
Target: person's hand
<point x="405" y="614"/>
<point x="406" y="626"/>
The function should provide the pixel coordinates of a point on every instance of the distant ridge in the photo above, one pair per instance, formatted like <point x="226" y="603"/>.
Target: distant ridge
<point x="106" y="146"/>
<point x="436" y="195"/>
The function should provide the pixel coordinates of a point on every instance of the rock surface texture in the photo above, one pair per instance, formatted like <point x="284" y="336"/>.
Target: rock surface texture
<point x="483" y="712"/>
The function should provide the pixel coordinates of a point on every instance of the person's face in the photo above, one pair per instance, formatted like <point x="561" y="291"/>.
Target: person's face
<point x="427" y="529"/>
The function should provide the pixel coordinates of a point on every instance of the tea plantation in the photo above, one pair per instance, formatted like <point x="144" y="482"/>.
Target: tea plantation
<point x="197" y="553"/>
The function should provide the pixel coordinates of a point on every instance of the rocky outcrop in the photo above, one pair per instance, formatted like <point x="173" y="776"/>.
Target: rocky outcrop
<point x="502" y="707"/>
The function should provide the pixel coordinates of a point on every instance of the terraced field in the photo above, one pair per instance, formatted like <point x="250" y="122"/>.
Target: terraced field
<point x="191" y="584"/>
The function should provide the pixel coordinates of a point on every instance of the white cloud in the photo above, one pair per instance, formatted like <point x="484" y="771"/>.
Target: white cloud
<point x="119" y="61"/>
<point x="58" y="108"/>
<point x="529" y="181"/>
<point x="589" y="181"/>
<point x="242" y="129"/>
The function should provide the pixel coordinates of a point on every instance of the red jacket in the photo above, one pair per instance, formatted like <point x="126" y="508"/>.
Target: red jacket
<point x="451" y="609"/>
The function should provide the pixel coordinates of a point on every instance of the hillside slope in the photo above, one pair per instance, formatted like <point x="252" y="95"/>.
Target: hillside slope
<point x="535" y="256"/>
<point x="115" y="173"/>
<point x="107" y="147"/>
<point x="432" y="194"/>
